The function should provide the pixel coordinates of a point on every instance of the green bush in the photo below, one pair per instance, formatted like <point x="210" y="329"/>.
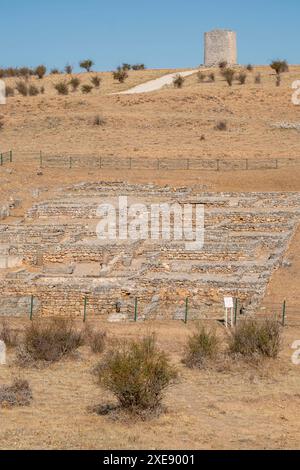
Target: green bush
<point x="252" y="338"/>
<point x="202" y="347"/>
<point x="137" y="374"/>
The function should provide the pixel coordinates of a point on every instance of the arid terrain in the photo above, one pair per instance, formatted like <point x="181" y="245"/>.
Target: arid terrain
<point x="241" y="405"/>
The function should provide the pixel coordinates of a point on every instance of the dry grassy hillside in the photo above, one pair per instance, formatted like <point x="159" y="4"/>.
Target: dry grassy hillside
<point x="168" y="123"/>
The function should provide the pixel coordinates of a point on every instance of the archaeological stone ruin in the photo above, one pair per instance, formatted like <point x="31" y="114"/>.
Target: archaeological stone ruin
<point x="220" y="46"/>
<point x="53" y="262"/>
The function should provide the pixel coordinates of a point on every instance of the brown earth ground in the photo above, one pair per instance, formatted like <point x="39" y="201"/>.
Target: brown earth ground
<point x="239" y="407"/>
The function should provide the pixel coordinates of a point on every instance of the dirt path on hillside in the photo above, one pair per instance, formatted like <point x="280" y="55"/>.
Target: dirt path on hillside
<point x="156" y="84"/>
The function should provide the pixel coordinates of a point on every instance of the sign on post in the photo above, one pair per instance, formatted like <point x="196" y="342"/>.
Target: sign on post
<point x="229" y="306"/>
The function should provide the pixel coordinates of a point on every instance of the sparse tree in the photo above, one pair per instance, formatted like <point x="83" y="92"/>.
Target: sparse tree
<point x="280" y="66"/>
<point x="40" y="71"/>
<point x="86" y="64"/>
<point x="68" y="69"/>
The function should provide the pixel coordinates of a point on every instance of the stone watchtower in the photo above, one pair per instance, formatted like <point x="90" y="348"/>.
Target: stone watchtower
<point x="220" y="45"/>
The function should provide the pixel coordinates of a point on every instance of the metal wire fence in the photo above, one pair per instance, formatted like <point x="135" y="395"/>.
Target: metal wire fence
<point x="6" y="157"/>
<point x="184" y="310"/>
<point x="101" y="162"/>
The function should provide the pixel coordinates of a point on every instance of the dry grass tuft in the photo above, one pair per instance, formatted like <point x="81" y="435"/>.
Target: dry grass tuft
<point x="49" y="341"/>
<point x="253" y="338"/>
<point x="202" y="348"/>
<point x="17" y="394"/>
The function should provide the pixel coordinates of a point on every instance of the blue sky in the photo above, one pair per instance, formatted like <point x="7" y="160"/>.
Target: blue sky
<point x="159" y="33"/>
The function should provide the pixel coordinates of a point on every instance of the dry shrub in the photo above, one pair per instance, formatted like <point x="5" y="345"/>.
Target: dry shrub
<point x="49" y="341"/>
<point x="201" y="76"/>
<point x="22" y="88"/>
<point x="202" y="348"/>
<point x="74" y="82"/>
<point x="86" y="89"/>
<point x="96" y="81"/>
<point x="229" y="75"/>
<point x="62" y="88"/>
<point x="9" y="91"/>
<point x="40" y="71"/>
<point x="68" y="69"/>
<point x="242" y="77"/>
<point x="257" y="79"/>
<point x="33" y="90"/>
<point x="212" y="77"/>
<point x="17" y="394"/>
<point x="137" y="374"/>
<point x="9" y="335"/>
<point x="250" y="68"/>
<point x="221" y="126"/>
<point x="252" y="338"/>
<point x="223" y="64"/>
<point x="99" y="120"/>
<point x="178" y="81"/>
<point x="120" y="75"/>
<point x="95" y="339"/>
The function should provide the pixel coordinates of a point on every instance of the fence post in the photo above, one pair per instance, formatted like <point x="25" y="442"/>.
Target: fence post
<point x="41" y="159"/>
<point x="10" y="156"/>
<point x="186" y="310"/>
<point x="218" y="165"/>
<point x="70" y="163"/>
<point x="84" y="309"/>
<point x="1" y="159"/>
<point x="235" y="310"/>
<point x="135" y="309"/>
<point x="284" y="313"/>
<point x="31" y="308"/>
